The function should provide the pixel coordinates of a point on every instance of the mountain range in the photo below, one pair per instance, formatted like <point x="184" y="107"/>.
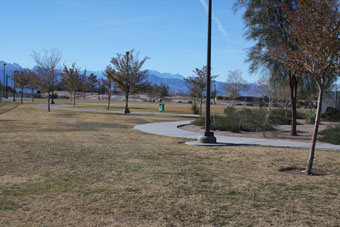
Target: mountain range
<point x="176" y="82"/>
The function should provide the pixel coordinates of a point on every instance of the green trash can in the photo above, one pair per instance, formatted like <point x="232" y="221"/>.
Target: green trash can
<point x="161" y="107"/>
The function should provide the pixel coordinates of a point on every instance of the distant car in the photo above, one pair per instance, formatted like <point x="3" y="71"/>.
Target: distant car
<point x="249" y="104"/>
<point x="178" y="101"/>
<point x="238" y="104"/>
<point x="189" y="102"/>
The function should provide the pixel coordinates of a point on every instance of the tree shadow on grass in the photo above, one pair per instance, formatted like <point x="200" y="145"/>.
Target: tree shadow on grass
<point x="301" y="171"/>
<point x="86" y="126"/>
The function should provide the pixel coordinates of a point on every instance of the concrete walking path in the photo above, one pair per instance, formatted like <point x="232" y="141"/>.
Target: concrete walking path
<point x="171" y="129"/>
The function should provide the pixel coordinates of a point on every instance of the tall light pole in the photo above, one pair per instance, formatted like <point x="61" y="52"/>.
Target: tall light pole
<point x="52" y="102"/>
<point x="14" y="91"/>
<point x="3" y="81"/>
<point x="208" y="136"/>
<point x="126" y="111"/>
<point x="6" y="86"/>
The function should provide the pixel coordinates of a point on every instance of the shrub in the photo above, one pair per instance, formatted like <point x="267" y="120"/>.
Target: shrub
<point x="331" y="135"/>
<point x="331" y="114"/>
<point x="64" y="97"/>
<point x="195" y="109"/>
<point x="55" y="96"/>
<point x="236" y="121"/>
<point x="280" y="117"/>
<point x="310" y="118"/>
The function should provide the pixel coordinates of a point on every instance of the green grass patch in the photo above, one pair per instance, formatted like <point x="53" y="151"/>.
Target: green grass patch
<point x="331" y="114"/>
<point x="331" y="135"/>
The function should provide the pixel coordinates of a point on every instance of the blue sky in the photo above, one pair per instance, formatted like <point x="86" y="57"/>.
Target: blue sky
<point x="173" y="33"/>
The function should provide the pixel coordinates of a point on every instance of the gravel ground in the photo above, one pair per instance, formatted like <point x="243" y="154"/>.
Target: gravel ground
<point x="282" y="131"/>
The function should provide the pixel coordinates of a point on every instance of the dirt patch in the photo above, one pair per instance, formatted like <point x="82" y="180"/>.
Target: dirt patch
<point x="301" y="171"/>
<point x="281" y="132"/>
<point x="8" y="179"/>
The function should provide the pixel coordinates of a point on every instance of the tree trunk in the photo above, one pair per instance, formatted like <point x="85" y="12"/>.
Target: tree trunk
<point x="126" y="102"/>
<point x="315" y="131"/>
<point x="293" y="92"/>
<point x="52" y="98"/>
<point x="48" y="102"/>
<point x="32" y="95"/>
<point x="201" y="104"/>
<point x="22" y="95"/>
<point x="74" y="99"/>
<point x="109" y="101"/>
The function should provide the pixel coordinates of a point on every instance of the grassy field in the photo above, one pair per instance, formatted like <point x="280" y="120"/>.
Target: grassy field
<point x="68" y="168"/>
<point x="143" y="107"/>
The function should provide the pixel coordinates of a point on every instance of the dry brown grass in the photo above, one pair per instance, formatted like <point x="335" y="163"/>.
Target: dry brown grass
<point x="69" y="168"/>
<point x="144" y="107"/>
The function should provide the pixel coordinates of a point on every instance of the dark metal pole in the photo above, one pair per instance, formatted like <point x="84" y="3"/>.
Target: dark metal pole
<point x="3" y="81"/>
<point x="14" y="91"/>
<point x="208" y="136"/>
<point x="6" y="86"/>
<point x="207" y="106"/>
<point x="126" y="88"/>
<point x="52" y="102"/>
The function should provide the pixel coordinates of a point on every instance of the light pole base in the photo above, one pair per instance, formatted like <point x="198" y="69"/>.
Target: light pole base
<point x="207" y="138"/>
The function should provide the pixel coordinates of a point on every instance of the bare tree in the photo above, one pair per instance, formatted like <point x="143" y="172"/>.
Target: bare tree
<point x="108" y="83"/>
<point x="72" y="80"/>
<point x="266" y="91"/>
<point x="33" y="83"/>
<point x="127" y="74"/>
<point x="198" y="84"/>
<point x="235" y="84"/>
<point x="47" y="62"/>
<point x="21" y="78"/>
<point x="93" y="82"/>
<point x="315" y="27"/>
<point x="85" y="84"/>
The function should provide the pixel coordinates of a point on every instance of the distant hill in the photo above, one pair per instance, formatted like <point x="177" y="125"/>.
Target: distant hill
<point x="9" y="69"/>
<point x="175" y="82"/>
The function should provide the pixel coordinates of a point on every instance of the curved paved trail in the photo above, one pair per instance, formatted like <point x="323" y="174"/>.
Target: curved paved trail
<point x="171" y="129"/>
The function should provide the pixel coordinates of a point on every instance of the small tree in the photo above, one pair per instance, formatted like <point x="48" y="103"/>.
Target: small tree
<point x="21" y="79"/>
<point x="93" y="82"/>
<point x="266" y="91"/>
<point x="235" y="84"/>
<point x="198" y="84"/>
<point x="47" y="63"/>
<point x="33" y="83"/>
<point x="72" y="80"/>
<point x="85" y="85"/>
<point x="158" y="91"/>
<point x="101" y="87"/>
<point x="214" y="93"/>
<point x="315" y="27"/>
<point x="127" y="74"/>
<point x="108" y="84"/>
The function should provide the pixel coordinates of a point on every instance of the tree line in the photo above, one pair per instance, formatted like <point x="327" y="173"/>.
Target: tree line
<point x="124" y="73"/>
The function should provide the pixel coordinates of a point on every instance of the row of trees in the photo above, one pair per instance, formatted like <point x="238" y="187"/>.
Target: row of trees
<point x="297" y="42"/>
<point x="125" y="73"/>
